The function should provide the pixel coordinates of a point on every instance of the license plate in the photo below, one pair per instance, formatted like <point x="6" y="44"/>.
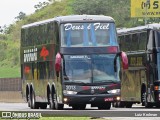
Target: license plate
<point x="108" y="99"/>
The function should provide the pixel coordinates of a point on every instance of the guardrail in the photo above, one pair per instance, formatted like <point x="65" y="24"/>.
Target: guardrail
<point x="10" y="84"/>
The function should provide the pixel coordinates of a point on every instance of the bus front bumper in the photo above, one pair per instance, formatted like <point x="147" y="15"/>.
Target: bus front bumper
<point x="89" y="99"/>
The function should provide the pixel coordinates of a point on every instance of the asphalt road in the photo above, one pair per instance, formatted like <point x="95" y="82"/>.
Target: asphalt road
<point x="137" y="112"/>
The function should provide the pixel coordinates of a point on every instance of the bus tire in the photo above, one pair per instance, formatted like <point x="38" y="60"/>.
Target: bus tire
<point x="146" y="103"/>
<point x="29" y="100"/>
<point x="120" y="104"/>
<point x="34" y="105"/>
<point x="143" y="95"/>
<point x="56" y="104"/>
<point x="105" y="106"/>
<point x="51" y="103"/>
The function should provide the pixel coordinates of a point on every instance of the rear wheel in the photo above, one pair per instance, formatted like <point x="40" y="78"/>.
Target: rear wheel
<point x="51" y="103"/>
<point x="34" y="105"/>
<point x="29" y="100"/>
<point x="106" y="106"/>
<point x="143" y="98"/>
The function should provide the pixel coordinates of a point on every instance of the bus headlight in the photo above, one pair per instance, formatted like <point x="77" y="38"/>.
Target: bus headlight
<point x="114" y="91"/>
<point x="68" y="92"/>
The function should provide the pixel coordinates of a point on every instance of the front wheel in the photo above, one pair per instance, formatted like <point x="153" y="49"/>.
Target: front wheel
<point x="56" y="104"/>
<point x="146" y="103"/>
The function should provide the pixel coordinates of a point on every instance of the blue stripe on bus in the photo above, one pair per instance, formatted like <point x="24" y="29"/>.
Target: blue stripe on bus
<point x="111" y="35"/>
<point x="85" y="35"/>
<point x="68" y="38"/>
<point x="93" y="36"/>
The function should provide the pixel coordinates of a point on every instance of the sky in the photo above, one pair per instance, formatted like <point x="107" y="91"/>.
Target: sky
<point x="9" y="9"/>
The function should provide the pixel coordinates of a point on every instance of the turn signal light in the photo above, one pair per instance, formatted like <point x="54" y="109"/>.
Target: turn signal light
<point x="156" y="88"/>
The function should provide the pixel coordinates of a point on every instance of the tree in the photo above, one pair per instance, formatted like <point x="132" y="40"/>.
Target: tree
<point x="94" y="7"/>
<point x="41" y="5"/>
<point x="21" y="16"/>
<point x="1" y="30"/>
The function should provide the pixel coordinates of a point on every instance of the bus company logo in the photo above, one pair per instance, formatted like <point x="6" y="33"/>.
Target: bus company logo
<point x="96" y="26"/>
<point x="44" y="53"/>
<point x="30" y="55"/>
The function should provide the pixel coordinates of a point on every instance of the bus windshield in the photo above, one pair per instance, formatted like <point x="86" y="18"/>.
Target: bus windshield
<point x="89" y="68"/>
<point x="88" y="34"/>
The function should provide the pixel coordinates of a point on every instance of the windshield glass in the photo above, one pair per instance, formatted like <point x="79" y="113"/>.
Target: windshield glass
<point x="89" y="68"/>
<point x="88" y="34"/>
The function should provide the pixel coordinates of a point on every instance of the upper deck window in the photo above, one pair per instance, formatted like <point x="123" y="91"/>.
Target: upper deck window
<point x="88" y="34"/>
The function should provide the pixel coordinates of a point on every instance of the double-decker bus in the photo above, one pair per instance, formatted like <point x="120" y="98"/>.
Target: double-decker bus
<point x="141" y="82"/>
<point x="73" y="60"/>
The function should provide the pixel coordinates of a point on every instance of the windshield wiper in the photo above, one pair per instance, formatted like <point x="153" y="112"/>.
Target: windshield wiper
<point x="75" y="82"/>
<point x="107" y="81"/>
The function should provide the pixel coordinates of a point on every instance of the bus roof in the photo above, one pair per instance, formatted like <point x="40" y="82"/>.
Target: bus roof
<point x="73" y="18"/>
<point x="154" y="26"/>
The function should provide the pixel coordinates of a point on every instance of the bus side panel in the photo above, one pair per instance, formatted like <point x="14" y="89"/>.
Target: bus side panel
<point x="130" y="86"/>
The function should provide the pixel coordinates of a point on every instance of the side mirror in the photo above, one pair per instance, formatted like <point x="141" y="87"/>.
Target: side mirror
<point x="124" y="59"/>
<point x="58" y="64"/>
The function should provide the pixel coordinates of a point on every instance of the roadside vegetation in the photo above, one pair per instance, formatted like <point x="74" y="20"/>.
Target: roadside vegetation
<point x="10" y="35"/>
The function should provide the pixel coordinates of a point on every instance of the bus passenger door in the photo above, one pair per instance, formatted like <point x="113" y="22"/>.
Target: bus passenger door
<point x="151" y="66"/>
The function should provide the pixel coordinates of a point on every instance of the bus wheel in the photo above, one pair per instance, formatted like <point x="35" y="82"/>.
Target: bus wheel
<point x="146" y="103"/>
<point x="51" y="103"/>
<point x="143" y="99"/>
<point x="57" y="105"/>
<point x="114" y="104"/>
<point x="106" y="106"/>
<point x="29" y="100"/>
<point x="34" y="105"/>
<point x="120" y="104"/>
